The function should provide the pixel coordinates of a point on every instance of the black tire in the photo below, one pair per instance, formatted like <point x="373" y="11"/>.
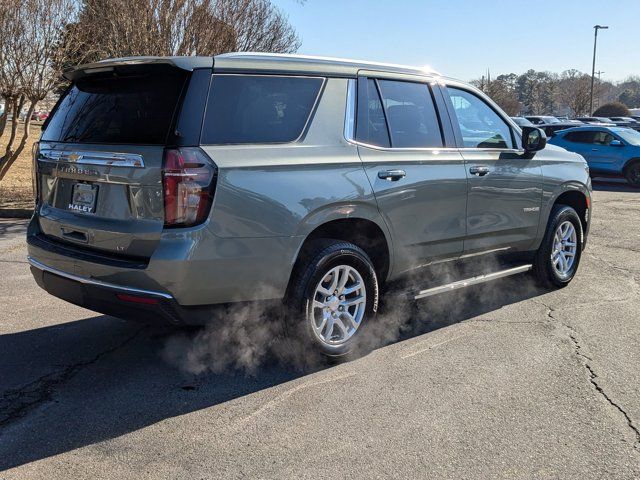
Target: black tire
<point x="321" y="257"/>
<point x="632" y="173"/>
<point x="543" y="266"/>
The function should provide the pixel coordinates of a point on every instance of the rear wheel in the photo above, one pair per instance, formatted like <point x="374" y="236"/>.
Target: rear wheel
<point x="632" y="173"/>
<point x="556" y="261"/>
<point x="333" y="296"/>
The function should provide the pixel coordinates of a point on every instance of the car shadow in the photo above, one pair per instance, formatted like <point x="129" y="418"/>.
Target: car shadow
<point x="79" y="383"/>
<point x="603" y="184"/>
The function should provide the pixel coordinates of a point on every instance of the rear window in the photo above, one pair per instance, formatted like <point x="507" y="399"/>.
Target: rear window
<point x="132" y="109"/>
<point x="258" y="108"/>
<point x="411" y="115"/>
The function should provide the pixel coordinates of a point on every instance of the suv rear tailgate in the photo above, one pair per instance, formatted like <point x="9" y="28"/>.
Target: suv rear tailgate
<point x="122" y="209"/>
<point x="99" y="163"/>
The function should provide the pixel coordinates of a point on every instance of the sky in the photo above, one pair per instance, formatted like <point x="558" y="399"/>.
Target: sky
<point x="464" y="38"/>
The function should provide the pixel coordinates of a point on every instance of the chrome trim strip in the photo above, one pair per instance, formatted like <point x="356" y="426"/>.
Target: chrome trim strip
<point x="86" y="157"/>
<point x="349" y="116"/>
<point x="90" y="281"/>
<point x="472" y="281"/>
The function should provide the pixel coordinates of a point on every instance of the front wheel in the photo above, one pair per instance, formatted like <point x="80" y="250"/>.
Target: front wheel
<point x="556" y="261"/>
<point x="632" y="174"/>
<point x="333" y="296"/>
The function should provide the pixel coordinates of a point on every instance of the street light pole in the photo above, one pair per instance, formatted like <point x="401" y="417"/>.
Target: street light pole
<point x="593" y="67"/>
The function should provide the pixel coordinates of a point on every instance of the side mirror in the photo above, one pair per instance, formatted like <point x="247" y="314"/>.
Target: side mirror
<point x="533" y="139"/>
<point x="616" y="143"/>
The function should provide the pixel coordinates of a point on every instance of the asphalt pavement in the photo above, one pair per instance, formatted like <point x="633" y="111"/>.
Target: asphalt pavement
<point x="502" y="381"/>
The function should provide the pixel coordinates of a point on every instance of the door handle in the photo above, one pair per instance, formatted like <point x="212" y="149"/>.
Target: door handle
<point x="391" y="175"/>
<point x="479" y="170"/>
<point x="594" y="149"/>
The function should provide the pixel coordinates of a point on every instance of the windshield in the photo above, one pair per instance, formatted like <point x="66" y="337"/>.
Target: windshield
<point x="632" y="137"/>
<point x="550" y="120"/>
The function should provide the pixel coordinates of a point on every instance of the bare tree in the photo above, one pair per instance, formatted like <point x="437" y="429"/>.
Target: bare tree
<point x="31" y="54"/>
<point x="574" y="91"/>
<point x="10" y="87"/>
<point x="120" y="28"/>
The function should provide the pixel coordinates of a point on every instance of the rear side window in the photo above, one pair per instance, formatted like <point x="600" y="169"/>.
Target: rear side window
<point x="411" y="115"/>
<point x="118" y="110"/>
<point x="581" y="137"/>
<point x="371" y="126"/>
<point x="480" y="125"/>
<point x="258" y="108"/>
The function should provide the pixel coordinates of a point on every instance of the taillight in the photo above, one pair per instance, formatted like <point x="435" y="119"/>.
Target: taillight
<point x="188" y="181"/>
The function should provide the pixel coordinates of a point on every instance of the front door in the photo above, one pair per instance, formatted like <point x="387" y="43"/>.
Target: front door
<point x="504" y="187"/>
<point x="420" y="184"/>
<point x="603" y="156"/>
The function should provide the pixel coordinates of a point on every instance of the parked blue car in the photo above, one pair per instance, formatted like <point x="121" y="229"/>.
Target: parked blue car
<point x="609" y="151"/>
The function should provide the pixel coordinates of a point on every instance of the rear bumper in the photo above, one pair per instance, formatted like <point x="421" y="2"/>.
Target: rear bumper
<point x="125" y="302"/>
<point x="103" y="297"/>
<point x="192" y="267"/>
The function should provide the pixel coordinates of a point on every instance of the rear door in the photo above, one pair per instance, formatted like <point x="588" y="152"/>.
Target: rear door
<point x="504" y="186"/>
<point x="417" y="176"/>
<point x="100" y="158"/>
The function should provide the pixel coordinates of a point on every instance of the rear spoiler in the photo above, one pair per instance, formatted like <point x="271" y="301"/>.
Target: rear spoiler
<point x="130" y="63"/>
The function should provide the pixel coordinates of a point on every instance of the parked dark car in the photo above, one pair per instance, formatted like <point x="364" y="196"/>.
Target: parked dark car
<point x="542" y="119"/>
<point x="522" y="122"/>
<point x="550" y="129"/>
<point x="601" y="121"/>
<point x="626" y="121"/>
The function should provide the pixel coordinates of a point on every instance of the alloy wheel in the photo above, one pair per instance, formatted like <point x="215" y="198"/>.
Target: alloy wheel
<point x="339" y="303"/>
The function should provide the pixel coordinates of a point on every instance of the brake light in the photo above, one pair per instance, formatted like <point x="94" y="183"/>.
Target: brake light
<point x="188" y="182"/>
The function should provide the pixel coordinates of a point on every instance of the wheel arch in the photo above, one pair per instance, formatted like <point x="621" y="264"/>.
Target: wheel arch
<point x="366" y="233"/>
<point x="577" y="196"/>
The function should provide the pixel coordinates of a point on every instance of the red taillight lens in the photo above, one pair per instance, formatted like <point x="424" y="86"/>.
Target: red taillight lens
<point x="188" y="181"/>
<point x="133" y="299"/>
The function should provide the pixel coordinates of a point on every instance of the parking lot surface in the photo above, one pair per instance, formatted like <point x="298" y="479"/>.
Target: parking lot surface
<point x="504" y="381"/>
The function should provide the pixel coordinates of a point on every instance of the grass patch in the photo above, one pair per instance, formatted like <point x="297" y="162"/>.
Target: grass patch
<point x="16" y="191"/>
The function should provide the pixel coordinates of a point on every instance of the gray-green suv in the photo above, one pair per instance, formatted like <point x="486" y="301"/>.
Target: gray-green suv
<point x="169" y="188"/>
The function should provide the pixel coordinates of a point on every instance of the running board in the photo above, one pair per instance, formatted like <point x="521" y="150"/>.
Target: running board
<point x="449" y="287"/>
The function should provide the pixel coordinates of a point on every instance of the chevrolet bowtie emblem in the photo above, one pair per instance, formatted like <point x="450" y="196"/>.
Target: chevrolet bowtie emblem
<point x="74" y="157"/>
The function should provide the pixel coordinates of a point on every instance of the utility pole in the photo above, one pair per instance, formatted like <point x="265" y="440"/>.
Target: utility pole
<point x="593" y="67"/>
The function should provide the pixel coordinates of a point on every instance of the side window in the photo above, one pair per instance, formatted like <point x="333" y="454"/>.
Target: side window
<point x="258" y="108"/>
<point x="480" y="125"/>
<point x="411" y="115"/>
<point x="603" y="138"/>
<point x="580" y="137"/>
<point x="371" y="126"/>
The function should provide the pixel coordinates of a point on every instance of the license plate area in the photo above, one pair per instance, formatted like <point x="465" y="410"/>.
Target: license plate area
<point x="83" y="198"/>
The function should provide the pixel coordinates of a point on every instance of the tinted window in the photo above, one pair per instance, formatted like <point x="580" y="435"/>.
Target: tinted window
<point x="412" y="119"/>
<point x="136" y="109"/>
<point x="480" y="125"/>
<point x="580" y="137"/>
<point x="371" y="126"/>
<point x="258" y="109"/>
